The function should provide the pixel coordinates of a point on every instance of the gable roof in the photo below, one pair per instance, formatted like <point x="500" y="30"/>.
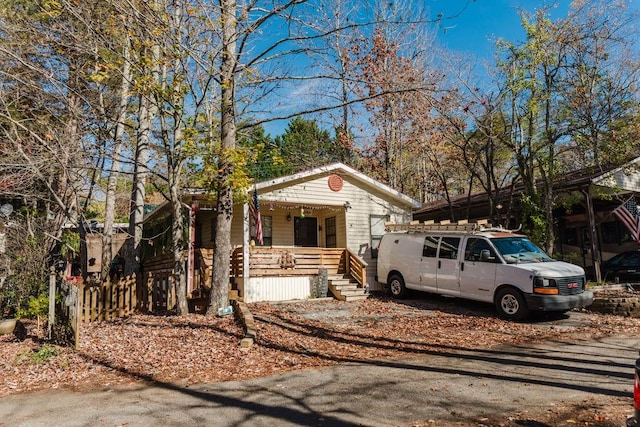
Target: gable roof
<point x="339" y="169"/>
<point x="305" y="176"/>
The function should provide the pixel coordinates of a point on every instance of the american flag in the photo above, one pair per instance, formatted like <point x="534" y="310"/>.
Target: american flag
<point x="254" y="208"/>
<point x="627" y="213"/>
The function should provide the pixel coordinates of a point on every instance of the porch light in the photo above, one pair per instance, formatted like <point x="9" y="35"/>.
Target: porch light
<point x="347" y="205"/>
<point x="288" y="216"/>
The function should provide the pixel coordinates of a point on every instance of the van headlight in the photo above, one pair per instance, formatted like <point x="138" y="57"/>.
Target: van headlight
<point x="542" y="285"/>
<point x="543" y="282"/>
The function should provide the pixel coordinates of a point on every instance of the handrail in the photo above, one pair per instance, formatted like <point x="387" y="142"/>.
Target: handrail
<point x="356" y="267"/>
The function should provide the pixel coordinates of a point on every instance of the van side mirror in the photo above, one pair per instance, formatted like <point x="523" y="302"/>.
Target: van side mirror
<point x="485" y="255"/>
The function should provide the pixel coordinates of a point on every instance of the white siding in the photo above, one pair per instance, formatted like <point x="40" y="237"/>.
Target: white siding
<point x="257" y="289"/>
<point x="623" y="179"/>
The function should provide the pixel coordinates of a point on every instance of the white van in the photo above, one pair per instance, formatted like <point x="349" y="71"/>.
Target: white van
<point x="483" y="264"/>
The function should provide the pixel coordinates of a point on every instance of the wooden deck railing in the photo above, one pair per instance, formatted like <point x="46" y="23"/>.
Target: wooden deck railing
<point x="294" y="261"/>
<point x="203" y="268"/>
<point x="356" y="267"/>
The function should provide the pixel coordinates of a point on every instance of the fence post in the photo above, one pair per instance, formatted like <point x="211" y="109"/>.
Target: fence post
<point x="74" y="313"/>
<point x="52" y="301"/>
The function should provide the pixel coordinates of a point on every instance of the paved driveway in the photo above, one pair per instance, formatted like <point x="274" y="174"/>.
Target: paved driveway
<point x="488" y="385"/>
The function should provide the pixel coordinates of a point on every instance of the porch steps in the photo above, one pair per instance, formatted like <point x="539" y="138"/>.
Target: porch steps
<point x="345" y="288"/>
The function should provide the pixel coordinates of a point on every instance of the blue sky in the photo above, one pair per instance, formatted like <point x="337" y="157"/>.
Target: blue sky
<point x="471" y="28"/>
<point x="483" y="21"/>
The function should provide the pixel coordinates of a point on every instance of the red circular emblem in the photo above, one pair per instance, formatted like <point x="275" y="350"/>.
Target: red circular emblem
<point x="335" y="182"/>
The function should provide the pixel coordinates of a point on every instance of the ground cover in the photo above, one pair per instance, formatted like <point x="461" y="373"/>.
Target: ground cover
<point x="194" y="348"/>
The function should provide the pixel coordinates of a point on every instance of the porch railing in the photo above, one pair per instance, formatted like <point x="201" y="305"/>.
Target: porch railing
<point x="356" y="267"/>
<point x="295" y="261"/>
<point x="157" y="292"/>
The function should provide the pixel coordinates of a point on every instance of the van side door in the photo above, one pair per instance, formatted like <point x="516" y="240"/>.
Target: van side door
<point x="429" y="263"/>
<point x="478" y="270"/>
<point x="448" y="266"/>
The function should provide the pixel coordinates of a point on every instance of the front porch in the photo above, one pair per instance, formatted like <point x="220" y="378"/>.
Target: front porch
<point x="265" y="274"/>
<point x="286" y="273"/>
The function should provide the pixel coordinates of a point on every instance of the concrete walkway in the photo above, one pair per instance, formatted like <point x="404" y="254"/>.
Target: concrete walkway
<point x="440" y="385"/>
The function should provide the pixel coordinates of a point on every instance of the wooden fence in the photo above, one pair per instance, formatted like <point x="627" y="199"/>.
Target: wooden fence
<point x="107" y="301"/>
<point x="157" y="293"/>
<point x="63" y="311"/>
<point x="73" y="302"/>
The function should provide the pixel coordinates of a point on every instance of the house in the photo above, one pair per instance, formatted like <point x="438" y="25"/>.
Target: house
<point x="586" y="223"/>
<point x="325" y="220"/>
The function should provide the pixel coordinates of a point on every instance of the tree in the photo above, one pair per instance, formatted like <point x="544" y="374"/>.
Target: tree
<point x="556" y="82"/>
<point x="305" y="146"/>
<point x="48" y="111"/>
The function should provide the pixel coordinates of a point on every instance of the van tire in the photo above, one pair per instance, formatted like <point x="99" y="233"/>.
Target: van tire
<point x="511" y="304"/>
<point x="396" y="286"/>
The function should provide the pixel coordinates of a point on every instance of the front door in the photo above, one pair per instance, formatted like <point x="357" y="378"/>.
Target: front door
<point x="478" y="273"/>
<point x="305" y="231"/>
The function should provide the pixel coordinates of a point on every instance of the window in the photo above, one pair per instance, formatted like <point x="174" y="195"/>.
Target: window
<point x="449" y="247"/>
<point x="430" y="248"/>
<point x="376" y="226"/>
<point x="330" y="234"/>
<point x="267" y="230"/>
<point x="267" y="233"/>
<point x="614" y="232"/>
<point x="474" y="249"/>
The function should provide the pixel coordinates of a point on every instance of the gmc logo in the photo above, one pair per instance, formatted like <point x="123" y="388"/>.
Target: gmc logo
<point x="572" y="286"/>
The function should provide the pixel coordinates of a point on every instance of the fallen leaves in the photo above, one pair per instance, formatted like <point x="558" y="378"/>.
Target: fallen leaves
<point x="308" y="334"/>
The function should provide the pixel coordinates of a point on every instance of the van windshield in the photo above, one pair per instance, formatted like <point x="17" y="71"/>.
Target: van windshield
<point x="519" y="250"/>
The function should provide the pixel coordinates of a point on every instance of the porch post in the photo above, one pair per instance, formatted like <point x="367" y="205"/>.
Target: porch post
<point x="595" y="252"/>
<point x="192" y="247"/>
<point x="245" y="243"/>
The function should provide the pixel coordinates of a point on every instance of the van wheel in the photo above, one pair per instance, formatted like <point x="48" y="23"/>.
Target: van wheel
<point x="396" y="286"/>
<point x="511" y="304"/>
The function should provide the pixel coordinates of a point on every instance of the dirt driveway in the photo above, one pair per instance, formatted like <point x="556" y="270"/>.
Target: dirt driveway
<point x="378" y="363"/>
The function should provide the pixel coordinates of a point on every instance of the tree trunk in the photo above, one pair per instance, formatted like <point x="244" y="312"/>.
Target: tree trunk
<point x="138" y="192"/>
<point x="110" y="198"/>
<point x="221" y="258"/>
<point x="177" y="234"/>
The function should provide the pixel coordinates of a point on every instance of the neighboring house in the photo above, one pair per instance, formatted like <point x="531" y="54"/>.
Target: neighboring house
<point x="331" y="217"/>
<point x="586" y="224"/>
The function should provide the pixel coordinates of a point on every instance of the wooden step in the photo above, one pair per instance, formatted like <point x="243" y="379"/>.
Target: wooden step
<point x="346" y="287"/>
<point x="349" y="294"/>
<point x="356" y="297"/>
<point x="342" y="282"/>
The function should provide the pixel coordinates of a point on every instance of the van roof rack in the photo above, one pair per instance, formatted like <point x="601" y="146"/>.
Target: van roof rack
<point x="460" y="226"/>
